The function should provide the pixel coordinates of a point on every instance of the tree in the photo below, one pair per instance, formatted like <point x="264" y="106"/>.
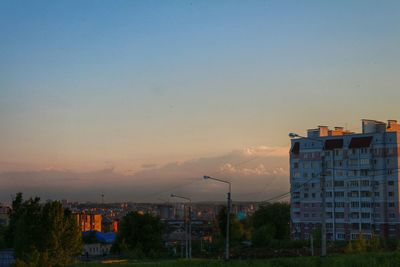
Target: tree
<point x="271" y="221"/>
<point x="140" y="235"/>
<point x="360" y="245"/>
<point x="43" y="235"/>
<point x="236" y="230"/>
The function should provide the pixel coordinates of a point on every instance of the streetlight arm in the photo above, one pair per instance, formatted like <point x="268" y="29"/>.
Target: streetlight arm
<point x="219" y="180"/>
<point x="177" y="196"/>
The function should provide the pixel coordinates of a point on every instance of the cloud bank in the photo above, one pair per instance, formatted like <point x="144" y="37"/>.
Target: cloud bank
<point x="256" y="174"/>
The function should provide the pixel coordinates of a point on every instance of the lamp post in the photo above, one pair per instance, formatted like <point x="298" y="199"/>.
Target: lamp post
<point x="188" y="237"/>
<point x="323" y="214"/>
<point x="228" y="212"/>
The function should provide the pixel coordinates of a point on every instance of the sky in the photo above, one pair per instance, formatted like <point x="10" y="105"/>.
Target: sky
<point x="133" y="89"/>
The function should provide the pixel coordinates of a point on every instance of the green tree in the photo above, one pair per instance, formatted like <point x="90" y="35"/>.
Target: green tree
<point x="263" y="235"/>
<point x="3" y="230"/>
<point x="140" y="235"/>
<point x="374" y="244"/>
<point x="43" y="235"/>
<point x="271" y="221"/>
<point x="235" y="227"/>
<point x="360" y="245"/>
<point x="349" y="248"/>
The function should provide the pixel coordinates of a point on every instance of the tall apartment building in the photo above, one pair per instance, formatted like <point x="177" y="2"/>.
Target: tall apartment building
<point x="361" y="172"/>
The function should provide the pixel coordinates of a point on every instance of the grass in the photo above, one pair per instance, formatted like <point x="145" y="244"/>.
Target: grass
<point x="356" y="260"/>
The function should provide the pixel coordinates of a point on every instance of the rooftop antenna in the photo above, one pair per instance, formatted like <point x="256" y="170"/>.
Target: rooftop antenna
<point x="102" y="198"/>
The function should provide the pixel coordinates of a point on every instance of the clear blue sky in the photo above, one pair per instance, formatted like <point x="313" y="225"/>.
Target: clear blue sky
<point x="84" y="84"/>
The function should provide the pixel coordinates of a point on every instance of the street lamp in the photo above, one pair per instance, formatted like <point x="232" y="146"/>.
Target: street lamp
<point x="188" y="240"/>
<point x="228" y="212"/>
<point x="323" y="215"/>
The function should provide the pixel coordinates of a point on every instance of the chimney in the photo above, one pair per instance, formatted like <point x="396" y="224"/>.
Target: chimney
<point x="392" y="126"/>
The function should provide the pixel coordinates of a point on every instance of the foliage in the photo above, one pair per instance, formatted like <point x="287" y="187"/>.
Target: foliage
<point x="3" y="230"/>
<point x="236" y="229"/>
<point x="43" y="235"/>
<point x="349" y="248"/>
<point x="271" y="221"/>
<point x="374" y="244"/>
<point x="262" y="236"/>
<point x="360" y="245"/>
<point x="90" y="238"/>
<point x="140" y="235"/>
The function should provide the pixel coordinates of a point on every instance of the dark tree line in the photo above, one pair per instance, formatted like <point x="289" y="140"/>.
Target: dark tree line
<point x="42" y="234"/>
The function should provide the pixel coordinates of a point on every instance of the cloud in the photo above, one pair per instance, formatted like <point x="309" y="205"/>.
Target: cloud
<point x="256" y="174"/>
<point x="148" y="166"/>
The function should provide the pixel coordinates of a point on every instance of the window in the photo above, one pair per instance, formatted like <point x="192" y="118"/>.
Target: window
<point x="352" y="183"/>
<point x="339" y="183"/>
<point x="339" y="215"/>
<point x="365" y="204"/>
<point x="377" y="215"/>
<point x="392" y="215"/>
<point x="339" y="204"/>
<point x="366" y="193"/>
<point x="390" y="194"/>
<point x="391" y="204"/>
<point x="364" y="161"/>
<point x="376" y="194"/>
<point x="355" y="204"/>
<point x="339" y="194"/>
<point x="355" y="215"/>
<point x="353" y="162"/>
<point x="390" y="183"/>
<point x="340" y="236"/>
<point x="364" y="182"/>
<point x="365" y="215"/>
<point x="305" y="195"/>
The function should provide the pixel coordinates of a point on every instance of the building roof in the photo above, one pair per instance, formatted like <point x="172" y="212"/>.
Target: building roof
<point x="107" y="238"/>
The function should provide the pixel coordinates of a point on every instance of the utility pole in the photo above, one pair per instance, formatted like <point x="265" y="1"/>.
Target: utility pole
<point x="312" y="245"/>
<point x="186" y="234"/>
<point x="187" y="221"/>
<point x="190" y="231"/>
<point x="228" y="215"/>
<point x="228" y="212"/>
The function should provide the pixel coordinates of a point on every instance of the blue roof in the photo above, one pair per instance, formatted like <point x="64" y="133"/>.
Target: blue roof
<point x="108" y="238"/>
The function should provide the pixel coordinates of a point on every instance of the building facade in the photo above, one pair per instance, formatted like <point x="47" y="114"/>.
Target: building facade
<point x="361" y="181"/>
<point x="88" y="221"/>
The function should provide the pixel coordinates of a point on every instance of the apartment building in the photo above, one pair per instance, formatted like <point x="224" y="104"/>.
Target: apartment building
<point x="361" y="181"/>
<point x="88" y="221"/>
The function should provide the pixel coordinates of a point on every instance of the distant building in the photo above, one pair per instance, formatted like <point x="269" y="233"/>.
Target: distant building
<point x="4" y="216"/>
<point x="361" y="180"/>
<point x="101" y="247"/>
<point x="109" y="225"/>
<point x="88" y="221"/>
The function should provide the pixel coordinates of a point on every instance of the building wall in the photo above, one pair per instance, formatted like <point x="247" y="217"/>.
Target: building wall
<point x="88" y="222"/>
<point x="362" y="185"/>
